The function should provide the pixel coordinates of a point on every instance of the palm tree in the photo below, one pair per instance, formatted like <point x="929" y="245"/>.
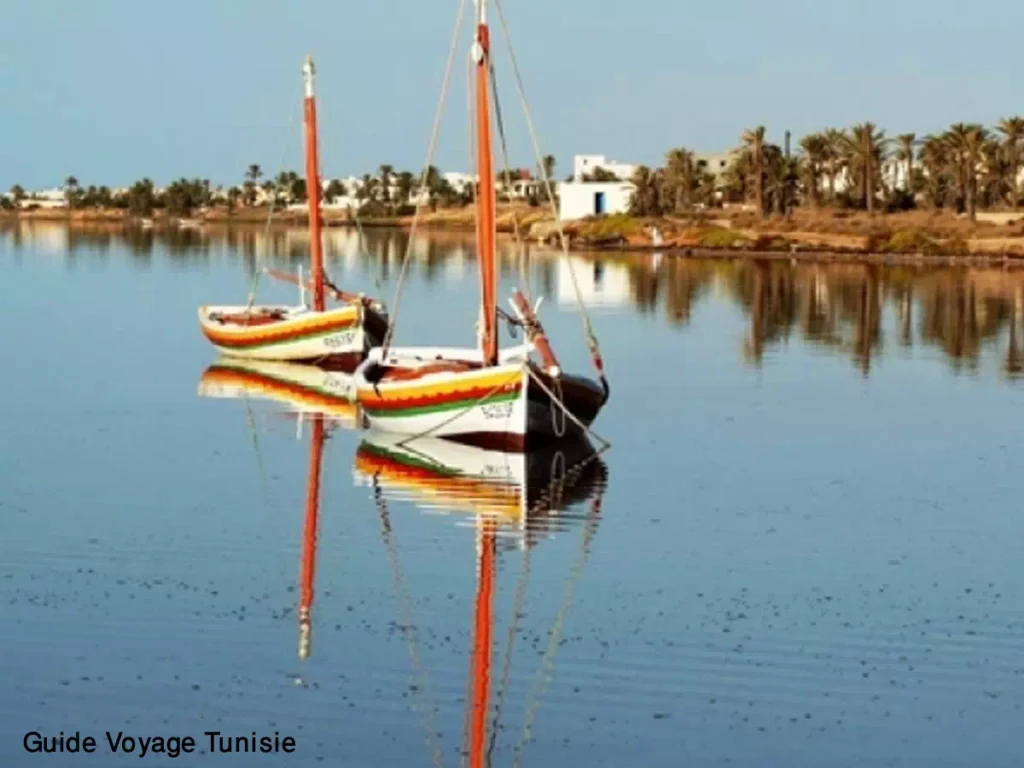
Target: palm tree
<point x="966" y="142"/>
<point x="815" y="149"/>
<point x="865" y="150"/>
<point x="405" y="185"/>
<point x="252" y="176"/>
<point x="707" y="187"/>
<point x="906" y="154"/>
<point x="647" y="195"/>
<point x="753" y="140"/>
<point x="835" y="142"/>
<point x="1012" y="129"/>
<point x="935" y="159"/>
<point x="736" y="179"/>
<point x="435" y="186"/>
<point x="334" y="190"/>
<point x="996" y="178"/>
<point x="17" y="193"/>
<point x="386" y="172"/>
<point x="781" y="174"/>
<point x="679" y="178"/>
<point x="71" y="190"/>
<point x="548" y="166"/>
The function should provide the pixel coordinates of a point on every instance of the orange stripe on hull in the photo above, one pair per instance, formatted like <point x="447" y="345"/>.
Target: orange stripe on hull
<point x="294" y="331"/>
<point x="276" y="388"/>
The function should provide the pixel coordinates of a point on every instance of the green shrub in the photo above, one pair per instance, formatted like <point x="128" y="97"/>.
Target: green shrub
<point x="615" y="225"/>
<point x="723" y="238"/>
<point x="911" y="241"/>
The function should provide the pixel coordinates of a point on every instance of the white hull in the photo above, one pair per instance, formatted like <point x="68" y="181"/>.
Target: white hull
<point x="302" y="334"/>
<point x="485" y="401"/>
<point x="489" y="406"/>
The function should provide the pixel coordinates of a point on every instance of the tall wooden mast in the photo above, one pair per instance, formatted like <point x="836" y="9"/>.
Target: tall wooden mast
<point x="481" y="663"/>
<point x="485" y="224"/>
<point x="307" y="568"/>
<point x="316" y="253"/>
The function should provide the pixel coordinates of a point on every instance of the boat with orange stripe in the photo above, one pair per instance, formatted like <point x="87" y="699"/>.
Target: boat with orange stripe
<point x="338" y="337"/>
<point x="483" y="396"/>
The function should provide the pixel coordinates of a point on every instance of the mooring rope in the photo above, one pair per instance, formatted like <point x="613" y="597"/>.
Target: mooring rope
<point x="555" y="399"/>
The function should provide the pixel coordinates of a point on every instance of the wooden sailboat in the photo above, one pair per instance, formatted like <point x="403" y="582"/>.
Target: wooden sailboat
<point x="339" y="336"/>
<point x="481" y="396"/>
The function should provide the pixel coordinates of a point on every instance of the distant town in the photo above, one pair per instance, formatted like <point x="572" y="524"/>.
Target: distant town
<point x="904" y="193"/>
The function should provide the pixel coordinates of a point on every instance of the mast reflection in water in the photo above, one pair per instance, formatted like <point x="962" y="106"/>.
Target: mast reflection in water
<point x="516" y="499"/>
<point x="513" y="500"/>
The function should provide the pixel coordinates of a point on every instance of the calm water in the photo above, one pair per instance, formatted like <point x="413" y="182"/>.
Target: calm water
<point x="803" y="548"/>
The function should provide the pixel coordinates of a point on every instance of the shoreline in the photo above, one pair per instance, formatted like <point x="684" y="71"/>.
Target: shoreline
<point x="948" y="242"/>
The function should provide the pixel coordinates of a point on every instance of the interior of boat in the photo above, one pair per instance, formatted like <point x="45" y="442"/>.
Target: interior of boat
<point x="250" y="317"/>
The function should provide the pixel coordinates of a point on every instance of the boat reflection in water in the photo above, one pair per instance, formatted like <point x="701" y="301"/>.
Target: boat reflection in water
<point x="304" y="389"/>
<point x="514" y="501"/>
<point x="320" y="399"/>
<point x="516" y="498"/>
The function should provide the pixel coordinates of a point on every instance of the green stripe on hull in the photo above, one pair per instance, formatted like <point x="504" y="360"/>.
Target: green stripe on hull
<point x="504" y="397"/>
<point x="410" y="461"/>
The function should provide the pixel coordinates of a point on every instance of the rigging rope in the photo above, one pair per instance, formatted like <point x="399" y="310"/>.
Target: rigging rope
<point x="542" y="676"/>
<point x="506" y="666"/>
<point x="432" y="145"/>
<point x="588" y="328"/>
<point x="500" y="124"/>
<point x="408" y="628"/>
<point x="250" y="421"/>
<point x="360" y="245"/>
<point x="254" y="284"/>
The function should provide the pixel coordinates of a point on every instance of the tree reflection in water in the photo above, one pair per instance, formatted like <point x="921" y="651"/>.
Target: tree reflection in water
<point x="844" y="308"/>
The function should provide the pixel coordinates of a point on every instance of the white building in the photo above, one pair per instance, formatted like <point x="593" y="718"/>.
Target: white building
<point x="46" y="198"/>
<point x="460" y="182"/>
<point x="717" y="163"/>
<point x="579" y="199"/>
<point x="586" y="164"/>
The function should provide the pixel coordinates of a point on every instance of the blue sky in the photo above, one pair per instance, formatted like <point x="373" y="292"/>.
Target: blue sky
<point x="113" y="90"/>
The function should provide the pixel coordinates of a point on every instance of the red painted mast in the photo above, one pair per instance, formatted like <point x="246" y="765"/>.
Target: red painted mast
<point x="481" y="665"/>
<point x="309" y="531"/>
<point x="316" y="253"/>
<point x="485" y="227"/>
